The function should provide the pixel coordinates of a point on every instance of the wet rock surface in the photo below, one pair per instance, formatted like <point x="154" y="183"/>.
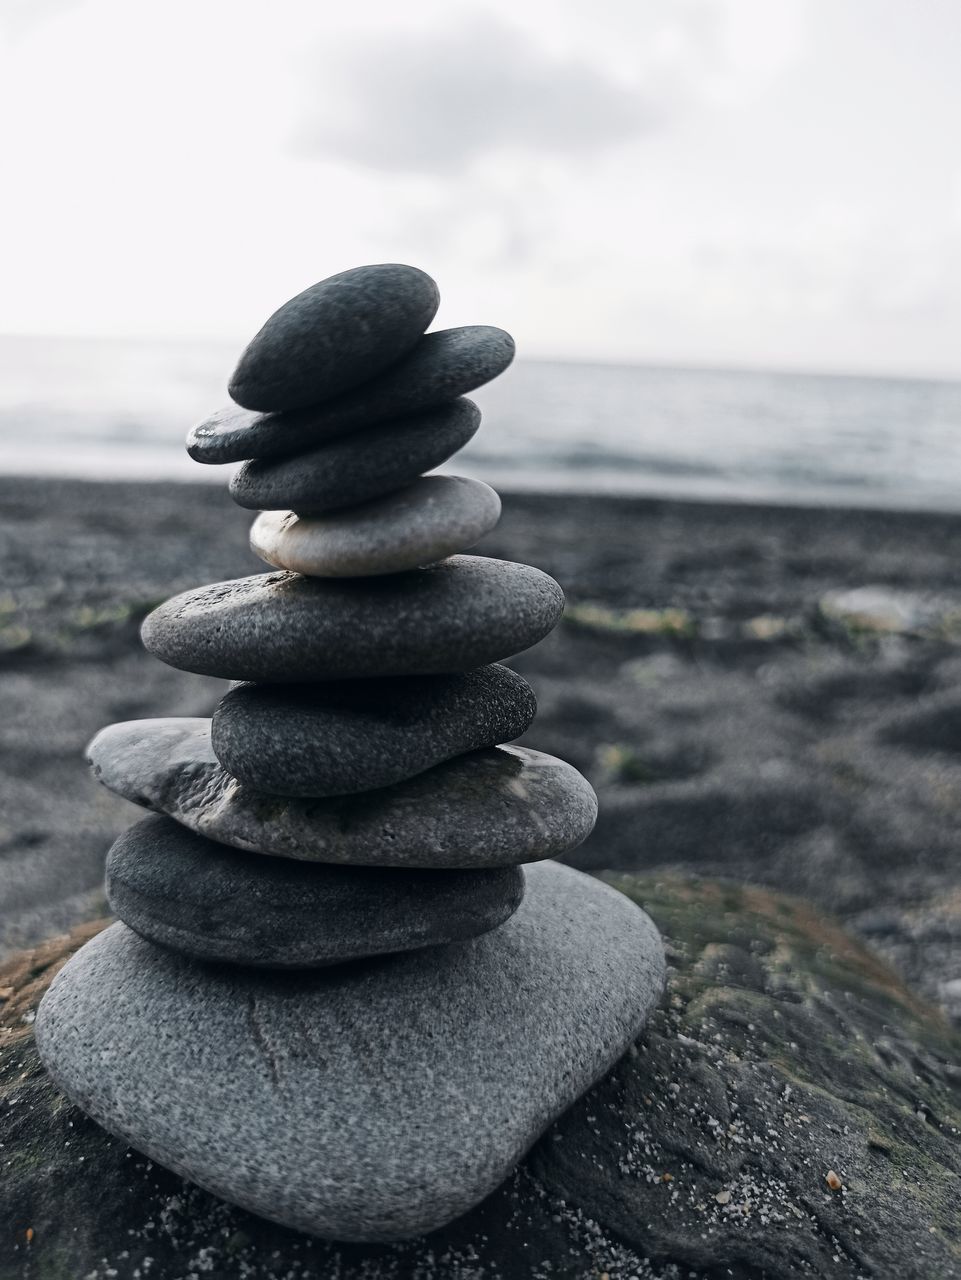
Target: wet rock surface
<point x="792" y="1111"/>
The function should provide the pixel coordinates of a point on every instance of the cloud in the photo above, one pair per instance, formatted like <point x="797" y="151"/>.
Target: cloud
<point x="19" y="16"/>
<point x="434" y="103"/>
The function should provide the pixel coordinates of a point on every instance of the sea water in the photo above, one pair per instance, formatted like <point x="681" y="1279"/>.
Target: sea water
<point x="120" y="409"/>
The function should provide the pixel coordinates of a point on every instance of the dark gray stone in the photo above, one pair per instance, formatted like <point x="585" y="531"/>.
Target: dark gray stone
<point x="334" y="336"/>
<point x="283" y="628"/>
<point x="207" y="900"/>
<point x="359" y="467"/>
<point x="490" y="808"/>
<point x="362" y="1102"/>
<point x="443" y="366"/>
<point x="357" y="735"/>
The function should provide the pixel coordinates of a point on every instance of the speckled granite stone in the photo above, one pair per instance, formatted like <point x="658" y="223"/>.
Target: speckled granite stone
<point x="207" y="900"/>
<point x="340" y="737"/>
<point x="435" y="517"/>
<point x="491" y="808"/>
<point x="280" y="627"/>
<point x="362" y="1102"/>
<point x="334" y="336"/>
<point x="358" y="467"/>
<point x="443" y="366"/>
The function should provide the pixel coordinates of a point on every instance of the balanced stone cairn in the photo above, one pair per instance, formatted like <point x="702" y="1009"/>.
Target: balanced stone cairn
<point x="336" y="997"/>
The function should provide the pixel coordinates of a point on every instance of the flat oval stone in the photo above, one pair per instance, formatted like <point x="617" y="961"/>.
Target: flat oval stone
<point x="281" y="627"/>
<point x="435" y="517"/>
<point x="372" y="1101"/>
<point x="338" y="737"/>
<point x="444" y="365"/>
<point x="491" y="808"/>
<point x="334" y="336"/>
<point x="206" y="900"/>
<point x="356" y="468"/>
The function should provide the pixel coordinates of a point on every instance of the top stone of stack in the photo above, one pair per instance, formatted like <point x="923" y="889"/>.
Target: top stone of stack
<point x="334" y="336"/>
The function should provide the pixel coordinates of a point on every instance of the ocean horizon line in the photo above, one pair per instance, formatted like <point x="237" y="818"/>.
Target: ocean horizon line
<point x="706" y="365"/>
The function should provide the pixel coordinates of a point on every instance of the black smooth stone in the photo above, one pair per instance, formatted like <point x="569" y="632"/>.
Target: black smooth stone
<point x="356" y="468"/>
<point x="442" y="366"/>
<point x="335" y="335"/>
<point x="338" y="738"/>
<point x="280" y="627"/>
<point x="210" y="901"/>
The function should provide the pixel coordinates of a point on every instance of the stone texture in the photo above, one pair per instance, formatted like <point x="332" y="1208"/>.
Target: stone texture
<point x="341" y="737"/>
<point x="334" y="336"/>
<point x="358" y="467"/>
<point x="280" y="627"/>
<point x="783" y="1048"/>
<point x="437" y="516"/>
<point x="207" y="900"/>
<point x="491" y="808"/>
<point x="361" y="1102"/>
<point x="443" y="366"/>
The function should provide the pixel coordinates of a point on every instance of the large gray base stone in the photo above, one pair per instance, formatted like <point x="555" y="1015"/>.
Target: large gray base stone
<point x="373" y="1101"/>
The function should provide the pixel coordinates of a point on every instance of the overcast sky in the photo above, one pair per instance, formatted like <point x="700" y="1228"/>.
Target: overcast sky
<point x="771" y="183"/>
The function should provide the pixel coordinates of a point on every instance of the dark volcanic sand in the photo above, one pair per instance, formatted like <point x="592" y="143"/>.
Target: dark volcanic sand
<point x="730" y="728"/>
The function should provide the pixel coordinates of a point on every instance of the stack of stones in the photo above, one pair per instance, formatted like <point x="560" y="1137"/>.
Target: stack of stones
<point x="337" y="996"/>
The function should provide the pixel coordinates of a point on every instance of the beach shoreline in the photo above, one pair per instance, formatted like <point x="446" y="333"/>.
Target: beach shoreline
<point x="735" y="716"/>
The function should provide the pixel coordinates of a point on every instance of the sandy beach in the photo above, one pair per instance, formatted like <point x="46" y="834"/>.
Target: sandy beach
<point x="738" y="714"/>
